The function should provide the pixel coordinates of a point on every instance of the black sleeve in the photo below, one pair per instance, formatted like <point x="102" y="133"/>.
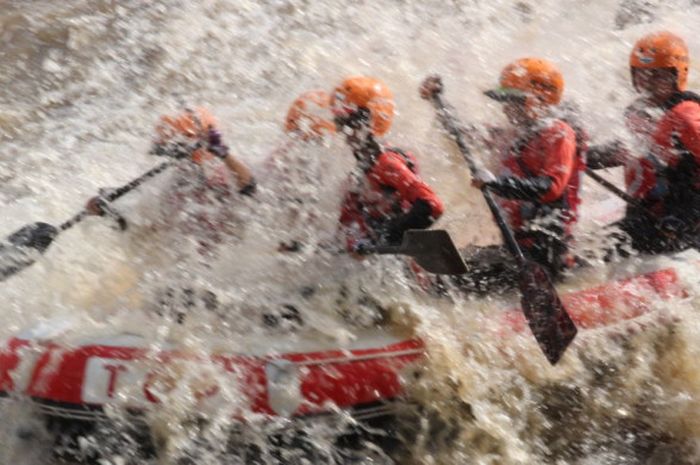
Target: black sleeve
<point x="603" y="156"/>
<point x="418" y="217"/>
<point x="522" y="189"/>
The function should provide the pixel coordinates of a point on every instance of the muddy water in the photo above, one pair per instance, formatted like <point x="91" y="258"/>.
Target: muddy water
<point x="83" y="84"/>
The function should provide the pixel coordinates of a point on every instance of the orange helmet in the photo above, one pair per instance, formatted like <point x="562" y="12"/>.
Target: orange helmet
<point x="308" y="116"/>
<point x="538" y="81"/>
<point x="185" y="131"/>
<point x="661" y="50"/>
<point x="365" y="93"/>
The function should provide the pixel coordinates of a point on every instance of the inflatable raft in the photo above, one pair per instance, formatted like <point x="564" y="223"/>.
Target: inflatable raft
<point x="78" y="379"/>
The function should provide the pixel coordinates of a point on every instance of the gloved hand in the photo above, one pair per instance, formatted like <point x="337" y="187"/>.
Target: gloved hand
<point x="481" y="177"/>
<point x="220" y="151"/>
<point x="95" y="205"/>
<point x="363" y="247"/>
<point x="672" y="226"/>
<point x="431" y="86"/>
<point x="99" y="206"/>
<point x="216" y="145"/>
<point x="418" y="217"/>
<point x="290" y="246"/>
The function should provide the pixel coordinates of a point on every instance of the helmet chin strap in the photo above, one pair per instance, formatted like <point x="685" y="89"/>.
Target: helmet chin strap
<point x="360" y="137"/>
<point x="367" y="150"/>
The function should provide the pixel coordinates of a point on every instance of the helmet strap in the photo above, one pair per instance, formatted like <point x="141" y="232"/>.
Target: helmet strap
<point x="354" y="120"/>
<point x="368" y="151"/>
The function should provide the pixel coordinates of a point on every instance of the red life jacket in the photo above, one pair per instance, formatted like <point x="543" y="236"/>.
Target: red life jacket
<point x="204" y="183"/>
<point x="194" y="205"/>
<point x="677" y="140"/>
<point x="556" y="151"/>
<point x="642" y="182"/>
<point x="389" y="187"/>
<point x="641" y="118"/>
<point x="668" y="178"/>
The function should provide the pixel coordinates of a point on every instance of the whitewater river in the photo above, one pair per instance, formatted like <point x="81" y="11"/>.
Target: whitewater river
<point x="81" y="86"/>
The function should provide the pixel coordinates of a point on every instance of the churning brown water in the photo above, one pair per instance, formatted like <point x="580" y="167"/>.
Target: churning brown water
<point x="81" y="85"/>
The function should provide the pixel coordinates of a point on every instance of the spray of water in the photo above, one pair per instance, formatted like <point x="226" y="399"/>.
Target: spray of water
<point x="83" y="84"/>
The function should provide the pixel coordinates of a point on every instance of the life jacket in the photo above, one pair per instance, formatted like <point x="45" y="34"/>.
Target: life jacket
<point x="408" y="158"/>
<point x="667" y="179"/>
<point x="378" y="199"/>
<point x="204" y="183"/>
<point x="557" y="215"/>
<point x="680" y="97"/>
<point x="397" y="205"/>
<point x="572" y="197"/>
<point x="195" y="202"/>
<point x="642" y="181"/>
<point x="384" y="192"/>
<point x="682" y="162"/>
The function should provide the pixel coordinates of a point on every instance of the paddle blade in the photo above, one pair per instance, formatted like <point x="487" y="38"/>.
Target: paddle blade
<point x="35" y="236"/>
<point x="433" y="250"/>
<point x="545" y="313"/>
<point x="24" y="246"/>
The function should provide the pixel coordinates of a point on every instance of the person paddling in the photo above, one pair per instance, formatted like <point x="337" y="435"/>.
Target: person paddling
<point x="295" y="166"/>
<point x="539" y="170"/>
<point x="195" y="203"/>
<point x="387" y="196"/>
<point x="208" y="175"/>
<point x="665" y="179"/>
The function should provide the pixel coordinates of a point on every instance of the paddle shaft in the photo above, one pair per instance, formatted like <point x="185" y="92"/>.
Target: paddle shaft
<point x="630" y="200"/>
<point x="616" y="190"/>
<point x="449" y="122"/>
<point x="116" y="193"/>
<point x="545" y="313"/>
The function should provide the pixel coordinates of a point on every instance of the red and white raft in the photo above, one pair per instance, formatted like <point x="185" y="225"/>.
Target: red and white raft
<point x="76" y="380"/>
<point x="661" y="280"/>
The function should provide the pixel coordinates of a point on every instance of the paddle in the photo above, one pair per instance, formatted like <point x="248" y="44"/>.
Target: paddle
<point x="432" y="249"/>
<point x="630" y="200"/>
<point x="544" y="311"/>
<point x="616" y="190"/>
<point x="24" y="246"/>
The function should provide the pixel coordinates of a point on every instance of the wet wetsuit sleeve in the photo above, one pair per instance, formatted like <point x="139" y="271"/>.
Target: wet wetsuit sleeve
<point x="426" y="207"/>
<point x="531" y="188"/>
<point x="607" y="155"/>
<point x="558" y="149"/>
<point x="418" y="217"/>
<point x="391" y="171"/>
